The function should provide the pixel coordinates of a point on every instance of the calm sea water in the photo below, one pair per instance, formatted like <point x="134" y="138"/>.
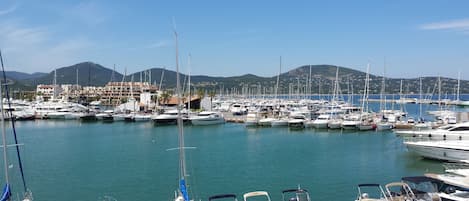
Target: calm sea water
<point x="69" y="160"/>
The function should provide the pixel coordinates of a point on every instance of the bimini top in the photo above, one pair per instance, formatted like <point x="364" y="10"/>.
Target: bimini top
<point x="365" y="185"/>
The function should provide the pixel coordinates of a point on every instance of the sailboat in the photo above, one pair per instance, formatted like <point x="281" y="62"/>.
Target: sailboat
<point x="366" y="122"/>
<point x="280" y="121"/>
<point x="181" y="193"/>
<point x="6" y="194"/>
<point x="383" y="123"/>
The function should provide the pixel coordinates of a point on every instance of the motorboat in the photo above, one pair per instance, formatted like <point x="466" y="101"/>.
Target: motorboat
<point x="335" y="124"/>
<point x="351" y="122"/>
<point x="449" y="132"/>
<point x="119" y="116"/>
<point x="88" y="116"/>
<point x="297" y="121"/>
<point x="322" y="121"/>
<point x="424" y="188"/>
<point x="105" y="116"/>
<point x="371" y="192"/>
<point x="456" y="151"/>
<point x="207" y="118"/>
<point x="251" y="119"/>
<point x="279" y="122"/>
<point x="238" y="109"/>
<point x="141" y="117"/>
<point x="256" y="194"/>
<point x="295" y="195"/>
<point x="223" y="197"/>
<point x="454" y="184"/>
<point x="400" y="191"/>
<point x="168" y="117"/>
<point x="266" y="121"/>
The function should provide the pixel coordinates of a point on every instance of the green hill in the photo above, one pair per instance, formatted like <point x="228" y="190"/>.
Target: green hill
<point x="89" y="74"/>
<point x="322" y="78"/>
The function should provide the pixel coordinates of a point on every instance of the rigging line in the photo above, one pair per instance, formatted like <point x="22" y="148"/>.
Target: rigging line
<point x="13" y="124"/>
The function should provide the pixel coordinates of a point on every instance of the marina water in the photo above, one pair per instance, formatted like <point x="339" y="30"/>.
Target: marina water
<point x="71" y="160"/>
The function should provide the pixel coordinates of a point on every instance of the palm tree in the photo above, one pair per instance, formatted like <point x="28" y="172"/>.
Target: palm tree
<point x="211" y="94"/>
<point x="165" y="96"/>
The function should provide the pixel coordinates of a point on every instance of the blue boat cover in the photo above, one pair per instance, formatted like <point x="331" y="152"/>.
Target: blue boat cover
<point x="182" y="187"/>
<point x="6" y="193"/>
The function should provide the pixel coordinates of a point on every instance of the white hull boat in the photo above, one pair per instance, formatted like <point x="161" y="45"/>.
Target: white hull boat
<point x="449" y="132"/>
<point x="207" y="118"/>
<point x="382" y="126"/>
<point x="350" y="125"/>
<point x="457" y="151"/>
<point x="279" y="123"/>
<point x="335" y="124"/>
<point x="266" y="121"/>
<point x="142" y="117"/>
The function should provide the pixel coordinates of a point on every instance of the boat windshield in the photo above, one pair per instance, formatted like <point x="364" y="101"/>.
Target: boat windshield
<point x="422" y="184"/>
<point x="460" y="128"/>
<point x="447" y="127"/>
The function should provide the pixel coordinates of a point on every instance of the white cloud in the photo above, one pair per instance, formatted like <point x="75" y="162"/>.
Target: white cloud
<point x="461" y="25"/>
<point x="33" y="49"/>
<point x="89" y="13"/>
<point x="8" y="10"/>
<point x="159" y="44"/>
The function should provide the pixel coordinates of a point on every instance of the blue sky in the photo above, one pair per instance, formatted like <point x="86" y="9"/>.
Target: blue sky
<point x="226" y="38"/>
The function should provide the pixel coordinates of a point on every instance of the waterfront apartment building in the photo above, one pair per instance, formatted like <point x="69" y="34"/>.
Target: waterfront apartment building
<point x="47" y="92"/>
<point x="115" y="93"/>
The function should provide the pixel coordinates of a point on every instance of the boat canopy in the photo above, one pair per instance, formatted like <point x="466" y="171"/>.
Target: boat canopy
<point x="366" y="185"/>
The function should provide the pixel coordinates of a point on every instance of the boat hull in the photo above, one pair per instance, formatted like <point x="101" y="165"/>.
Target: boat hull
<point x="445" y="153"/>
<point x="207" y="121"/>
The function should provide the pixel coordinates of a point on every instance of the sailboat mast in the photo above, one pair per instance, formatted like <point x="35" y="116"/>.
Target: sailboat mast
<point x="182" y="163"/>
<point x="5" y="159"/>
<point x="55" y="83"/>
<point x="365" y="89"/>
<point x="459" y="82"/>
<point x="420" y="98"/>
<point x="189" y="84"/>
<point x="278" y="78"/>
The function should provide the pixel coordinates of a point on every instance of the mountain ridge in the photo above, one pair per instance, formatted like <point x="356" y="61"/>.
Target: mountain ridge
<point x="322" y="76"/>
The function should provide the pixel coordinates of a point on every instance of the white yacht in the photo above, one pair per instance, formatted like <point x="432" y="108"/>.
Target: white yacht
<point x="351" y="122"/>
<point x="297" y="121"/>
<point x="207" y="118"/>
<point x="455" y="182"/>
<point x="279" y="122"/>
<point x="383" y="125"/>
<point x="168" y="117"/>
<point x="64" y="113"/>
<point x="335" y="124"/>
<point x="119" y="116"/>
<point x="141" y="117"/>
<point x="322" y="121"/>
<point x="456" y="151"/>
<point x="238" y="109"/>
<point x="266" y="121"/>
<point x="251" y="119"/>
<point x="449" y="132"/>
